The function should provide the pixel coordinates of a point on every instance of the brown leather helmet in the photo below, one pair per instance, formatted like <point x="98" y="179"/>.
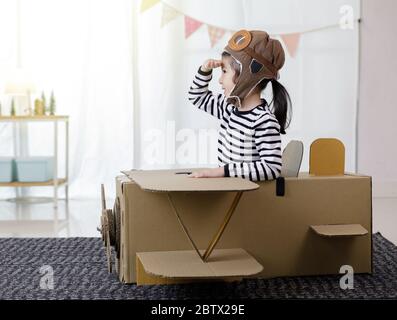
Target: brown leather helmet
<point x="259" y="57"/>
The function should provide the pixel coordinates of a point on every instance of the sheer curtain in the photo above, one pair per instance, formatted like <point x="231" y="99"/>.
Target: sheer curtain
<point x="82" y="50"/>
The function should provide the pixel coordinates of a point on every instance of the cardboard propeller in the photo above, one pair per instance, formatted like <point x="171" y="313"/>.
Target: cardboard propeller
<point x="110" y="228"/>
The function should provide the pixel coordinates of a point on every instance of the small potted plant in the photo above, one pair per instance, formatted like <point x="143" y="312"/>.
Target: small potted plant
<point x="52" y="104"/>
<point x="43" y="100"/>
<point x="12" y="108"/>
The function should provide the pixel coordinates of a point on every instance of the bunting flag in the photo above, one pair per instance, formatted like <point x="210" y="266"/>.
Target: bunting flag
<point x="215" y="34"/>
<point x="168" y="14"/>
<point x="147" y="4"/>
<point x="291" y="41"/>
<point x="191" y="25"/>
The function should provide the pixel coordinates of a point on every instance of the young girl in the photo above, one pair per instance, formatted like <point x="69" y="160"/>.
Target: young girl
<point x="249" y="143"/>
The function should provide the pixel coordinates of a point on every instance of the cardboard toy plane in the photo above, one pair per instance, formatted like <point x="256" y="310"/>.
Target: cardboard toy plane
<point x="168" y="228"/>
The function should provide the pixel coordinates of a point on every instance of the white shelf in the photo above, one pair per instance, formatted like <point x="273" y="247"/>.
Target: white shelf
<point x="33" y="118"/>
<point x="57" y="182"/>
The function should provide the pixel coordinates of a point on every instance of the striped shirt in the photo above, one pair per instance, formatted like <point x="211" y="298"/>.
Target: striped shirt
<point x="249" y="143"/>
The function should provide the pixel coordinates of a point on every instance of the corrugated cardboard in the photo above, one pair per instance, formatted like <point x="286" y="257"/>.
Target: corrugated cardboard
<point x="327" y="157"/>
<point x="186" y="264"/>
<point x="340" y="230"/>
<point x="275" y="230"/>
<point x="178" y="180"/>
<point x="292" y="159"/>
<point x="144" y="278"/>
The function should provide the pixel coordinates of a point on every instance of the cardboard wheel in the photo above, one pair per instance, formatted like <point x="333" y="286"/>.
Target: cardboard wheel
<point x="112" y="226"/>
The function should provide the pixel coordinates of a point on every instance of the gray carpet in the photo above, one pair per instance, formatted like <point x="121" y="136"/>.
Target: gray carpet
<point x="80" y="272"/>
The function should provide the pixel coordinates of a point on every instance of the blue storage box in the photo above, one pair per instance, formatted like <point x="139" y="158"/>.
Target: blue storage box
<point x="7" y="169"/>
<point x="34" y="169"/>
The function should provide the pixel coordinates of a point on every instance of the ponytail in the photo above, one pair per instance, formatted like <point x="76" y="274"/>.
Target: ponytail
<point x="281" y="105"/>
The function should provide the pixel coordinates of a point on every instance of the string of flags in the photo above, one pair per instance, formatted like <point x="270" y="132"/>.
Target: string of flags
<point x="215" y="33"/>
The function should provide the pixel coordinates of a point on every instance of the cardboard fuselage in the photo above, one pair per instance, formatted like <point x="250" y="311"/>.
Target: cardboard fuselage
<point x="276" y="230"/>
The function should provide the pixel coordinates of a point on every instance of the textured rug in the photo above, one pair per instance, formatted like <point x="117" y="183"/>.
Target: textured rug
<point x="79" y="271"/>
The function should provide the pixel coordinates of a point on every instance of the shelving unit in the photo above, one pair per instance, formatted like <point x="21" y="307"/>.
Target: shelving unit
<point x="57" y="181"/>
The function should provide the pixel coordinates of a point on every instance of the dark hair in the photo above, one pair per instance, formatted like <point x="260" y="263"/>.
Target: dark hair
<point x="234" y="64"/>
<point x="281" y="100"/>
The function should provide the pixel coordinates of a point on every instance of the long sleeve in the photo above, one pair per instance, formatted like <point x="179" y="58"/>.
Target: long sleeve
<point x="201" y="97"/>
<point x="268" y="144"/>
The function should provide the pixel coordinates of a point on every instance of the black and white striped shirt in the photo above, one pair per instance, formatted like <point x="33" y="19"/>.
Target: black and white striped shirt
<point x="249" y="143"/>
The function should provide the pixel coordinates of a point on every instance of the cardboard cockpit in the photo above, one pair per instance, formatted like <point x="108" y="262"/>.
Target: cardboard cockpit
<point x="301" y="225"/>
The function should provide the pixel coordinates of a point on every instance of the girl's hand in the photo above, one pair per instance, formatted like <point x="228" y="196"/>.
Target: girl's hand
<point x="209" y="173"/>
<point x="210" y="64"/>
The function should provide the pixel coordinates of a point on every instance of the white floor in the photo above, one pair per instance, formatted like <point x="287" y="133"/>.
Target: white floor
<point x="81" y="218"/>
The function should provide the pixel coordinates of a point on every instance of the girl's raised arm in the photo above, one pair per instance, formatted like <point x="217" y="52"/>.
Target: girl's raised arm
<point x="203" y="98"/>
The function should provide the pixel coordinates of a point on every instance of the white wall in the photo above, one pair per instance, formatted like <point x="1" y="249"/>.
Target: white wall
<point x="377" y="130"/>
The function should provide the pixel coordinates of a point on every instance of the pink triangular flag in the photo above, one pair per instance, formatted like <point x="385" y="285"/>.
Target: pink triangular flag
<point x="215" y="34"/>
<point x="291" y="41"/>
<point x="191" y="25"/>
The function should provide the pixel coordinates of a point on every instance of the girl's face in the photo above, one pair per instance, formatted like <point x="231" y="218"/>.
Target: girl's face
<point x="227" y="75"/>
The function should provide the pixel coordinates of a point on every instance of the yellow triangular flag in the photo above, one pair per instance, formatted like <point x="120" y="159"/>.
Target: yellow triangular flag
<point x="291" y="41"/>
<point x="147" y="4"/>
<point x="215" y="34"/>
<point x="168" y="14"/>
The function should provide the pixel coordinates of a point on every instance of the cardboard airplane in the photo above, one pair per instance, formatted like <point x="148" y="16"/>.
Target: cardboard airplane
<point x="168" y="228"/>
